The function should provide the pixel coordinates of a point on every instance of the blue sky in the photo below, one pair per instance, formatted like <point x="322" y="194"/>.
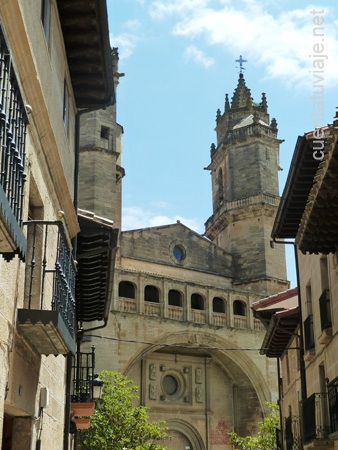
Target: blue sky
<point x="178" y="57"/>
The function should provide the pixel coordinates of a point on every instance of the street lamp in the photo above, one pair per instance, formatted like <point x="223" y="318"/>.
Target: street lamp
<point x="97" y="387"/>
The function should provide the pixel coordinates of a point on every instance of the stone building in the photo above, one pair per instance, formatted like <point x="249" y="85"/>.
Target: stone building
<point x="181" y="324"/>
<point x="280" y="313"/>
<point x="55" y="62"/>
<point x="307" y="217"/>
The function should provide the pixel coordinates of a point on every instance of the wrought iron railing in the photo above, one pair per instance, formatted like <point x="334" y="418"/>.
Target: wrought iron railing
<point x="332" y="390"/>
<point x="50" y="276"/>
<point x="83" y="376"/>
<point x="308" y="333"/>
<point x="325" y="310"/>
<point x="293" y="437"/>
<point x="315" y="417"/>
<point x="13" y="123"/>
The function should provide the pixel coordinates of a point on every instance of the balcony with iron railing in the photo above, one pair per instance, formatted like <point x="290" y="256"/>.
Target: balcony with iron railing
<point x="47" y="319"/>
<point x="315" y="424"/>
<point x="83" y="391"/>
<point x="292" y="432"/>
<point x="332" y="390"/>
<point x="13" y="124"/>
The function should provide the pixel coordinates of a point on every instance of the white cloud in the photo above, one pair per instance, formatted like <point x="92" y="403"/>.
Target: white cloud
<point x="161" y="10"/>
<point x="161" y="204"/>
<point x="192" y="52"/>
<point x="280" y="41"/>
<point x="135" y="217"/>
<point x="126" y="41"/>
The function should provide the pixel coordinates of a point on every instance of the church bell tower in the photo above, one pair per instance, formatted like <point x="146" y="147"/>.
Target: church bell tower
<point x="244" y="171"/>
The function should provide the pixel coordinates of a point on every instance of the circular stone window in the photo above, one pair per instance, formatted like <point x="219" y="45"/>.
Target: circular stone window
<point x="170" y="385"/>
<point x="179" y="252"/>
<point x="173" y="385"/>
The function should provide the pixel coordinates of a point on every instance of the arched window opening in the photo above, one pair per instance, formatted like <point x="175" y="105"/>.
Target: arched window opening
<point x="174" y="298"/>
<point x="197" y="302"/>
<point x="218" y="305"/>
<point x="126" y="289"/>
<point x="239" y="308"/>
<point x="151" y="294"/>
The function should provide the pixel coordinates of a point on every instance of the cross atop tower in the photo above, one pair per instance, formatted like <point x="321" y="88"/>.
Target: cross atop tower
<point x="241" y="61"/>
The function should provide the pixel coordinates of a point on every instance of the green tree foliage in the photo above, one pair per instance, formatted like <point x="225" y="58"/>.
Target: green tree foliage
<point x="265" y="439"/>
<point x="117" y="423"/>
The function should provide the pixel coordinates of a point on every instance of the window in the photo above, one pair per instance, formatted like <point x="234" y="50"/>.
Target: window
<point x="65" y="106"/>
<point x="151" y="294"/>
<point x="126" y="289"/>
<point x="104" y="133"/>
<point x="287" y="363"/>
<point x="220" y="184"/>
<point x="197" y="302"/>
<point x="308" y="333"/>
<point x="239" y="308"/>
<point x="324" y="273"/>
<point x="174" y="298"/>
<point x="170" y="385"/>
<point x="218" y="305"/>
<point x="45" y="17"/>
<point x="173" y="385"/>
<point x="308" y="299"/>
<point x="179" y="252"/>
<point x="325" y="310"/>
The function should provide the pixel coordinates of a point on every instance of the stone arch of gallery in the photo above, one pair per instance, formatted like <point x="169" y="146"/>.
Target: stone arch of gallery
<point x="243" y="375"/>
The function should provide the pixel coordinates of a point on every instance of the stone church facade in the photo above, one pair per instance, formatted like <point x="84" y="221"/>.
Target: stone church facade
<point x="181" y="325"/>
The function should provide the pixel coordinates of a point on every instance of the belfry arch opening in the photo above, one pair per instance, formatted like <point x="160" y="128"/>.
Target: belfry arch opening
<point x="174" y="298"/>
<point x="218" y="305"/>
<point x="127" y="289"/>
<point x="239" y="308"/>
<point x="197" y="302"/>
<point x="151" y="294"/>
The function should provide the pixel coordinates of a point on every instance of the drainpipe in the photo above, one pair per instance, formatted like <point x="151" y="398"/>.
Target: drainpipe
<point x="74" y="244"/>
<point x="301" y="337"/>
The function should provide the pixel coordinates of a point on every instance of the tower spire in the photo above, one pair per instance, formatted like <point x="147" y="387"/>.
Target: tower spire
<point x="242" y="94"/>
